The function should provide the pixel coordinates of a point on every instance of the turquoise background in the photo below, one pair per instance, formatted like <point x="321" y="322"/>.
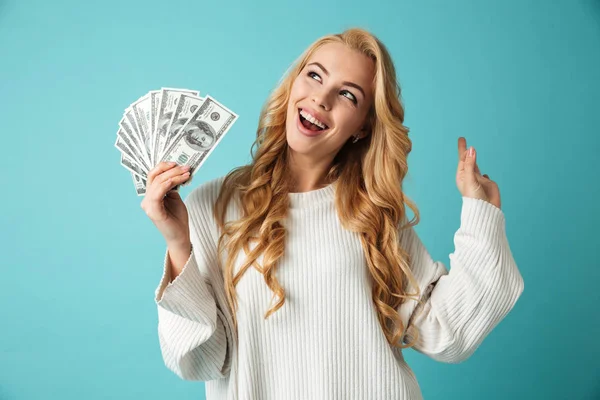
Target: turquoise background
<point x="80" y="259"/>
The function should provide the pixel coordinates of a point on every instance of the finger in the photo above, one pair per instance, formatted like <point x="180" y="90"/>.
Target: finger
<point x="159" y="169"/>
<point x="462" y="146"/>
<point x="186" y="183"/>
<point x="169" y="184"/>
<point x="470" y="167"/>
<point x="171" y="173"/>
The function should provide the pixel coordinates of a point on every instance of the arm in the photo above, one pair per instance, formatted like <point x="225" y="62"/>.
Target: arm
<point x="177" y="256"/>
<point x="461" y="307"/>
<point x="194" y="336"/>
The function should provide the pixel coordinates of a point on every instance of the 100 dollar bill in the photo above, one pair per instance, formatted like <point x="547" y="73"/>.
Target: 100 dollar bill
<point x="166" y="107"/>
<point x="187" y="105"/>
<point x="141" y="112"/>
<point x="200" y="135"/>
<point x="139" y="184"/>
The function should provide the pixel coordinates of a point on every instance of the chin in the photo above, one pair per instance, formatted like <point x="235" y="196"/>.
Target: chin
<point x="297" y="142"/>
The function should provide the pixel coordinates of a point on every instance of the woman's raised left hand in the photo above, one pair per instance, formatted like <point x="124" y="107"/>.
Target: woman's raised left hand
<point x="469" y="180"/>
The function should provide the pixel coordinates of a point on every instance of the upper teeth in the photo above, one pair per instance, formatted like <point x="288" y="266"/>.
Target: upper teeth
<point x="312" y="119"/>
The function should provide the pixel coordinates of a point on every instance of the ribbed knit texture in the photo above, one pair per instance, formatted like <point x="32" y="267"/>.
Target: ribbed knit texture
<point x="326" y="342"/>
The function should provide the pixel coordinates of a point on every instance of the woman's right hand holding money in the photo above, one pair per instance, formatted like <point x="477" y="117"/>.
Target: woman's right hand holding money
<point x="165" y="207"/>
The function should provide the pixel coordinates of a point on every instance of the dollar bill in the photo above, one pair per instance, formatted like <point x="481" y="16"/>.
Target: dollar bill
<point x="186" y="107"/>
<point x="154" y="103"/>
<point x="129" y="116"/>
<point x="133" y="166"/>
<point x="125" y="144"/>
<point x="123" y="148"/>
<point x="139" y="183"/>
<point x="200" y="135"/>
<point x="141" y="112"/>
<point x="168" y="103"/>
<point x="129" y="125"/>
<point x="170" y="124"/>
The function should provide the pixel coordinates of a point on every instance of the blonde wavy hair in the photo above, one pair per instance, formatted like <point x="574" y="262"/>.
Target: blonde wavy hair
<point x="369" y="198"/>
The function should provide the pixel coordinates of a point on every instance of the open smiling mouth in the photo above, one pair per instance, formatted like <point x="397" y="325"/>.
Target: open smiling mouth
<point x="315" y="127"/>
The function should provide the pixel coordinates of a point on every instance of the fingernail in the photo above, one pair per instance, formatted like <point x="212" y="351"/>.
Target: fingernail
<point x="471" y="151"/>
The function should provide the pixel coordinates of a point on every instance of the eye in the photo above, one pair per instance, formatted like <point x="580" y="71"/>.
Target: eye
<point x="352" y="97"/>
<point x="347" y="94"/>
<point x="311" y="73"/>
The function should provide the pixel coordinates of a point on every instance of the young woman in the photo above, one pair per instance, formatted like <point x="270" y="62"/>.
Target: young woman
<point x="299" y="276"/>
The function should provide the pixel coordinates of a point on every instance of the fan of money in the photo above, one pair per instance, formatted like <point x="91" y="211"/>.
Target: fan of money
<point x="170" y="125"/>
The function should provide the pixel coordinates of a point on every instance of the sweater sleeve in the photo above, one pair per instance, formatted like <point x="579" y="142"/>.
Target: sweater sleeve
<point x="460" y="308"/>
<point x="194" y="337"/>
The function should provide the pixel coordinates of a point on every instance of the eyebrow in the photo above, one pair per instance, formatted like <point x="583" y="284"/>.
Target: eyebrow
<point x="354" y="85"/>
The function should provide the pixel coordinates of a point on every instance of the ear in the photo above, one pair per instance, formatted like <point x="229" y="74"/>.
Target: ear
<point x="363" y="133"/>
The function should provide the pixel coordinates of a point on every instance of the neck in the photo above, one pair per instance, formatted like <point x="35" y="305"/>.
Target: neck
<point x="307" y="173"/>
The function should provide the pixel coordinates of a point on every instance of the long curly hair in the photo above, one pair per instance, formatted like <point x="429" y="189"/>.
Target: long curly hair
<point x="369" y="198"/>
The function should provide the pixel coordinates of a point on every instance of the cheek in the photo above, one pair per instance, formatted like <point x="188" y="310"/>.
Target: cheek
<point x="348" y="121"/>
<point x="297" y="93"/>
<point x="299" y="89"/>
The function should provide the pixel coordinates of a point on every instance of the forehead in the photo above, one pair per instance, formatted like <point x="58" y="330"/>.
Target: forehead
<point x="345" y="64"/>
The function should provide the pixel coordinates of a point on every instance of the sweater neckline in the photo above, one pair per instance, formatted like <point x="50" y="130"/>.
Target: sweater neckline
<point x="312" y="198"/>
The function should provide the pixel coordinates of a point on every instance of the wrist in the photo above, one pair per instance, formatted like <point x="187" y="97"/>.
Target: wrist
<point x="181" y="246"/>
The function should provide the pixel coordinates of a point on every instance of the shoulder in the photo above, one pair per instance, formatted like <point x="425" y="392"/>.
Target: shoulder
<point x="203" y="199"/>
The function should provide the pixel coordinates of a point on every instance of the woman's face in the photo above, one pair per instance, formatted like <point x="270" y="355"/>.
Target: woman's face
<point x="335" y="88"/>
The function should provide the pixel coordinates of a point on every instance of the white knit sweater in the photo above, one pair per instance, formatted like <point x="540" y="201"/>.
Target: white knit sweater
<point x="326" y="342"/>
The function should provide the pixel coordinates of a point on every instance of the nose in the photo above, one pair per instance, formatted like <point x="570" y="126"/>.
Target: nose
<point x="320" y="99"/>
